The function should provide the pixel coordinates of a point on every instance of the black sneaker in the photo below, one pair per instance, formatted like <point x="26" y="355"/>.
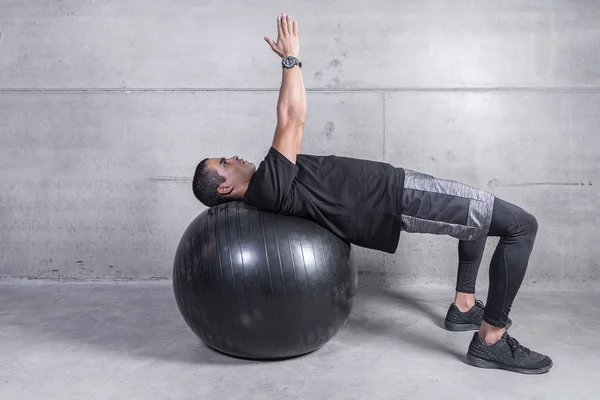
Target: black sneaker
<point x="507" y="354"/>
<point x="457" y="320"/>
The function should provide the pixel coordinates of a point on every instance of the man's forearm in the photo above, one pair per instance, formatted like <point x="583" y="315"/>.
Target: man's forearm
<point x="300" y="134"/>
<point x="303" y="113"/>
<point x="291" y="104"/>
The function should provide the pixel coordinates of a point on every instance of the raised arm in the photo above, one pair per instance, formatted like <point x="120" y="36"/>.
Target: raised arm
<point x="291" y="106"/>
<point x="300" y="134"/>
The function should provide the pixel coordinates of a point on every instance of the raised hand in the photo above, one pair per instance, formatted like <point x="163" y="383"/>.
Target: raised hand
<point x="288" y="41"/>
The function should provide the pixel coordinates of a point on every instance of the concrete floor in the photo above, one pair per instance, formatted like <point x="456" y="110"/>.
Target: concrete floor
<point x="128" y="341"/>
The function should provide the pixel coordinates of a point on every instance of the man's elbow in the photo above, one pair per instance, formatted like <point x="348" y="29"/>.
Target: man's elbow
<point x="292" y="115"/>
<point x="298" y="118"/>
<point x="302" y="116"/>
<point x="302" y="119"/>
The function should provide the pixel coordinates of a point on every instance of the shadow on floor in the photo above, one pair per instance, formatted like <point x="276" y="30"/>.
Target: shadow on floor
<point x="143" y="320"/>
<point x="132" y="319"/>
<point x="414" y="308"/>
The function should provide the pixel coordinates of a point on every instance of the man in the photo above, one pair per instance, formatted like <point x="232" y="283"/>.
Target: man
<point x="368" y="203"/>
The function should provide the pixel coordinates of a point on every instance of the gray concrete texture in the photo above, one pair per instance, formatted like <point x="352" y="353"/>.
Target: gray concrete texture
<point x="68" y="341"/>
<point x="363" y="44"/>
<point x="107" y="106"/>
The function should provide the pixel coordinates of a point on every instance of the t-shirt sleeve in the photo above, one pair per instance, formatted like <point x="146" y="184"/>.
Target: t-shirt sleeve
<point x="271" y="184"/>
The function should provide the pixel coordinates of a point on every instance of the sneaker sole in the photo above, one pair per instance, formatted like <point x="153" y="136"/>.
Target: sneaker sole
<point x="451" y="326"/>
<point x="478" y="362"/>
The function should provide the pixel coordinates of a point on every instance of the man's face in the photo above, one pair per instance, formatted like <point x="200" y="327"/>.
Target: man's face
<point x="236" y="171"/>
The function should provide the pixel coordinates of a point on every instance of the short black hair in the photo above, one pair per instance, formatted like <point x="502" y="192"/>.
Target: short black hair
<point x="205" y="184"/>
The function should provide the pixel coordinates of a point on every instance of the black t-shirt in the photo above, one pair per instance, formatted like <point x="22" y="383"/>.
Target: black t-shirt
<point x="359" y="200"/>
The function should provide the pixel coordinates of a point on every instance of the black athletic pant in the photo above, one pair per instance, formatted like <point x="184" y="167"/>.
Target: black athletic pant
<point x="517" y="230"/>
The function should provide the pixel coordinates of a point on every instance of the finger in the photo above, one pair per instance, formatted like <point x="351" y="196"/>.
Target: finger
<point x="284" y="24"/>
<point x="279" y="28"/>
<point x="290" y="24"/>
<point x="295" y="28"/>
<point x="271" y="43"/>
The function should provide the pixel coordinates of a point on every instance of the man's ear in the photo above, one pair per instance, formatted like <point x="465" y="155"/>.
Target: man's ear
<point x="225" y="189"/>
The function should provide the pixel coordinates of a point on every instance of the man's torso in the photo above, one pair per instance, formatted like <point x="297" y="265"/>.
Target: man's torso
<point x="359" y="200"/>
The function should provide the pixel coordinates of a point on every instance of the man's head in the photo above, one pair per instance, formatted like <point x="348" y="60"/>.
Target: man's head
<point x="219" y="180"/>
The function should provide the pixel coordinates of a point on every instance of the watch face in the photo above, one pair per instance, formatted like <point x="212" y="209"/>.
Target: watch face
<point x="289" y="61"/>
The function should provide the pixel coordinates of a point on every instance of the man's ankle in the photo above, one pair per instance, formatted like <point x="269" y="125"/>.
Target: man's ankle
<point x="490" y="334"/>
<point x="464" y="301"/>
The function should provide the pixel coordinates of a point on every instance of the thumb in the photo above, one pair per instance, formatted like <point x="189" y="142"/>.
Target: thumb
<point x="268" y="40"/>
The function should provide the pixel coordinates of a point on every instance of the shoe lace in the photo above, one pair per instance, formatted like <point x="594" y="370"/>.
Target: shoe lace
<point x="479" y="304"/>
<point x="516" y="347"/>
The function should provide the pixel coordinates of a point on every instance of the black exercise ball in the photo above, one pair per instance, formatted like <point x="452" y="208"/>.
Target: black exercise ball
<point x="259" y="285"/>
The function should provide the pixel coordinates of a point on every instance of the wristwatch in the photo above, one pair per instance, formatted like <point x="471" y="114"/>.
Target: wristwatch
<point x="290" y="61"/>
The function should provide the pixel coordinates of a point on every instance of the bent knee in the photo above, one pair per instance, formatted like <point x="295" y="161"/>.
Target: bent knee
<point x="528" y="222"/>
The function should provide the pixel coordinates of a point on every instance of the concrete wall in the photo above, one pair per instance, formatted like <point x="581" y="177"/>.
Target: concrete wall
<point x="107" y="106"/>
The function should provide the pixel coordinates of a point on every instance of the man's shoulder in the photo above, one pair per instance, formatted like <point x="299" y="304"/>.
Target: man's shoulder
<point x="271" y="183"/>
